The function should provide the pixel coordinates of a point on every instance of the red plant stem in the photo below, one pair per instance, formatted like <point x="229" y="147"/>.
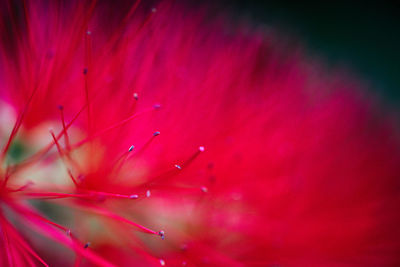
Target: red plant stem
<point x="86" y="77"/>
<point x="44" y="225"/>
<point x="112" y="127"/>
<point x="17" y="125"/>
<point x="57" y="144"/>
<point x="24" y="244"/>
<point x="109" y="214"/>
<point x="72" y="178"/>
<point x="35" y="157"/>
<point x="7" y="245"/>
<point x="66" y="137"/>
<point x="118" y="32"/>
<point x="89" y="195"/>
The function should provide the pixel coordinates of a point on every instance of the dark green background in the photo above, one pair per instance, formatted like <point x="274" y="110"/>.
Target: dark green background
<point x="361" y="36"/>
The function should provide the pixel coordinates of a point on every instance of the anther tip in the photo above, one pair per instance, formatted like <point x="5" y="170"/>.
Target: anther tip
<point x="201" y="148"/>
<point x="161" y="234"/>
<point x="156" y="133"/>
<point x="133" y="196"/>
<point x="162" y="262"/>
<point x="60" y="107"/>
<point x="86" y="245"/>
<point x="131" y="148"/>
<point x="148" y="193"/>
<point x="156" y="106"/>
<point x="178" y="167"/>
<point x="85" y="71"/>
<point x="135" y="96"/>
<point x="204" y="189"/>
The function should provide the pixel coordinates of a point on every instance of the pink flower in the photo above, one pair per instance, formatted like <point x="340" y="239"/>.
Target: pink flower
<point x="178" y="140"/>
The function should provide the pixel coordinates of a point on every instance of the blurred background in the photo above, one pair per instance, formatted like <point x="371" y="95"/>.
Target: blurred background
<point x="362" y="37"/>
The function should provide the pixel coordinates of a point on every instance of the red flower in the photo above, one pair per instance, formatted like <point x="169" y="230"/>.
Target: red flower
<point x="224" y="141"/>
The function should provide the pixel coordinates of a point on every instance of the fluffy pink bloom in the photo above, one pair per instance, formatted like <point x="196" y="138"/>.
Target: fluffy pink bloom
<point x="166" y="123"/>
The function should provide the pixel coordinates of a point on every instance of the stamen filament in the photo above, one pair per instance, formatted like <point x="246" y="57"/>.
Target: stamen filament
<point x="112" y="127"/>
